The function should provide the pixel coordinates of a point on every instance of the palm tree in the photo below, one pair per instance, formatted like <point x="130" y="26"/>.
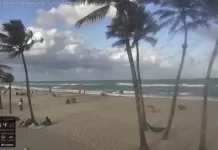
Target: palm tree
<point x="117" y="29"/>
<point x="144" y="31"/>
<point x="8" y="78"/>
<point x="16" y="41"/>
<point x="124" y="10"/>
<point x="211" y="6"/>
<point x="1" y="71"/>
<point x="181" y="16"/>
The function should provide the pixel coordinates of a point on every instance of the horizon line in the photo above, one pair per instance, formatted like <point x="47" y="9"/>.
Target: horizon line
<point x="112" y="80"/>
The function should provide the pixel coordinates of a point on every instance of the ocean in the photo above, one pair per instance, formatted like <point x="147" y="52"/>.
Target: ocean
<point x="163" y="88"/>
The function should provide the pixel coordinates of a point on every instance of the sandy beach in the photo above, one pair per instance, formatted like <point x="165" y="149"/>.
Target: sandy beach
<point x="108" y="123"/>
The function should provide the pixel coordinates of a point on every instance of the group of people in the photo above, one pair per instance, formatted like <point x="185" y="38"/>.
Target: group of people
<point x="84" y="92"/>
<point x="22" y="94"/>
<point x="80" y="89"/>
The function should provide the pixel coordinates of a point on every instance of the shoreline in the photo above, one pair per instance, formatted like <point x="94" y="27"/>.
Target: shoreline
<point x="98" y="122"/>
<point x="89" y="92"/>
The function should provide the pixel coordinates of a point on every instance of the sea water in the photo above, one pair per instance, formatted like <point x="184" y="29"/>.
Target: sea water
<point x="188" y="88"/>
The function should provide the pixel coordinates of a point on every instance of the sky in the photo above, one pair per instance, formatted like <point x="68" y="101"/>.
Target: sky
<point x="70" y="53"/>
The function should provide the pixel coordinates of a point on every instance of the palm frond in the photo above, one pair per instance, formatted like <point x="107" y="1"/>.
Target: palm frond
<point x="196" y="14"/>
<point x="14" y="54"/>
<point x="175" y="24"/>
<point x="166" y="23"/>
<point x="193" y="26"/>
<point x="16" y="32"/>
<point x="151" y="40"/>
<point x="7" y="48"/>
<point x="148" y="1"/>
<point x="116" y="28"/>
<point x="119" y="43"/>
<point x="3" y="37"/>
<point x="5" y="67"/>
<point x="91" y="2"/>
<point x="95" y="15"/>
<point x="6" y="77"/>
<point x="164" y="14"/>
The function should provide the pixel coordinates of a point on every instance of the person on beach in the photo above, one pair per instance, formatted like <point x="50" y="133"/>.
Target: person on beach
<point x="31" y="94"/>
<point x="20" y="103"/>
<point x="50" y="89"/>
<point x="47" y="121"/>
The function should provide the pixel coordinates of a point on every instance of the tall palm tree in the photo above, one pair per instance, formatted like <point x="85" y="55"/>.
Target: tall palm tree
<point x="124" y="9"/>
<point x="211" y="7"/>
<point x="145" y="30"/>
<point x="16" y="41"/>
<point x="181" y="16"/>
<point x="1" y="72"/>
<point x="123" y="32"/>
<point x="8" y="78"/>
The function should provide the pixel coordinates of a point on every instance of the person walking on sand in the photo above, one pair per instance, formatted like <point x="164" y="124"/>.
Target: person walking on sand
<point x="31" y="93"/>
<point x="20" y="103"/>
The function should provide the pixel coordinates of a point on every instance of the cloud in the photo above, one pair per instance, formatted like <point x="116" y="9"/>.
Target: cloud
<point x="67" y="14"/>
<point x="210" y="33"/>
<point x="64" y="55"/>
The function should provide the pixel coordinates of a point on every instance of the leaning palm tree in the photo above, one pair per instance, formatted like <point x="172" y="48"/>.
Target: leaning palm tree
<point x="8" y="78"/>
<point x="123" y="32"/>
<point x="211" y="7"/>
<point x="2" y="67"/>
<point x="16" y="40"/>
<point x="124" y="9"/>
<point x="181" y="16"/>
<point x="145" y="30"/>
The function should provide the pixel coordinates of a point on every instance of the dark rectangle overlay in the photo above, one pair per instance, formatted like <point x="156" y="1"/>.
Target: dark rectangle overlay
<point x="7" y="131"/>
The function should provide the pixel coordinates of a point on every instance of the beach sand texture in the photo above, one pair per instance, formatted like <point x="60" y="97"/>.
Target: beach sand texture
<point x="109" y="123"/>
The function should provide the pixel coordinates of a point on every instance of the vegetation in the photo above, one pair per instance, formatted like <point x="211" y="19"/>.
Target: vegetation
<point x="126" y="11"/>
<point x="131" y="24"/>
<point x="2" y="67"/>
<point x="181" y="16"/>
<point x="144" y="31"/>
<point x="8" y="78"/>
<point x="15" y="41"/>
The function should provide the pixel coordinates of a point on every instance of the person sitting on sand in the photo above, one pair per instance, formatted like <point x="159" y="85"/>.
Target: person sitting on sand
<point x="20" y="103"/>
<point x="47" y="122"/>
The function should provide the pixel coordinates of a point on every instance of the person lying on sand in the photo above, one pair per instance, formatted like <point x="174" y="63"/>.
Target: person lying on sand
<point x="104" y="94"/>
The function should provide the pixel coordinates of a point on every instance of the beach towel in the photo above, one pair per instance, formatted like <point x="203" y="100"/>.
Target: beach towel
<point x="33" y="126"/>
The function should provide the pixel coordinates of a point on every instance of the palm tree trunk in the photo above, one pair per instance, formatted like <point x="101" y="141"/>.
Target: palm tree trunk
<point x="140" y="88"/>
<point x="143" y="142"/>
<point x="1" y="106"/>
<point x="202" y="144"/>
<point x="28" y="90"/>
<point x="173" y="105"/>
<point x="10" y="110"/>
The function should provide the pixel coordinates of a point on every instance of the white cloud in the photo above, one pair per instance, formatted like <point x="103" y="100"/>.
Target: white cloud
<point x="65" y="55"/>
<point x="67" y="14"/>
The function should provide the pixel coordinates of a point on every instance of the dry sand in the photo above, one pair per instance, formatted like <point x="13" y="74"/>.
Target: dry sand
<point x="109" y="123"/>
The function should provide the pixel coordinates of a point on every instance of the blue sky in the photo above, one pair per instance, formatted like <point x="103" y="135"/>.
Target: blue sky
<point x="62" y="17"/>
